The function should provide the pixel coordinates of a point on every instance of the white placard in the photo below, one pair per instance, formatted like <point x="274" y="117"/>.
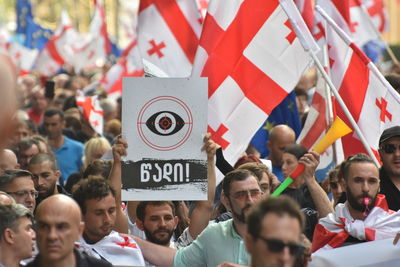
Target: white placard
<point x="164" y="121"/>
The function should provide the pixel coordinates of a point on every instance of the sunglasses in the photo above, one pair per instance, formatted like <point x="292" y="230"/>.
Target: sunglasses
<point x="277" y="246"/>
<point x="242" y="195"/>
<point x="390" y="148"/>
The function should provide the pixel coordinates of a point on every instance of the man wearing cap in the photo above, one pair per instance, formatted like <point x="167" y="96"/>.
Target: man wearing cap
<point x="389" y="151"/>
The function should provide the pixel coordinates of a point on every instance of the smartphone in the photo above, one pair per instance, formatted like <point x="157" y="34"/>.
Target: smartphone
<point x="49" y="89"/>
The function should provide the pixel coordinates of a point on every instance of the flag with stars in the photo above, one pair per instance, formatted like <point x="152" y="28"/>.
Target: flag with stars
<point x="36" y="37"/>
<point x="285" y="113"/>
<point x="24" y="12"/>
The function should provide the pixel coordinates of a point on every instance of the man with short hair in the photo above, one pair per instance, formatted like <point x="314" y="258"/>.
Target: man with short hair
<point x="68" y="152"/>
<point x="280" y="137"/>
<point x="8" y="160"/>
<point x="25" y="150"/>
<point x="97" y="200"/>
<point x="389" y="151"/>
<point x="364" y="216"/>
<point x="274" y="228"/>
<point x="16" y="234"/>
<point x="158" y="221"/>
<point x="219" y="242"/>
<point x="43" y="167"/>
<point x="58" y="227"/>
<point x="19" y="184"/>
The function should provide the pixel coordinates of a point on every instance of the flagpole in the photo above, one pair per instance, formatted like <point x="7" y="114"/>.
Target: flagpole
<point x="344" y="107"/>
<point x="371" y="24"/>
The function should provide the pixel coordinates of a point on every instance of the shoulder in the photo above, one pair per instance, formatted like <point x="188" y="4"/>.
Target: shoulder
<point x="70" y="142"/>
<point x="85" y="260"/>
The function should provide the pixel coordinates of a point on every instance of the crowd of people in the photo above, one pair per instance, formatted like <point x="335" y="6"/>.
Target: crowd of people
<point x="61" y="205"/>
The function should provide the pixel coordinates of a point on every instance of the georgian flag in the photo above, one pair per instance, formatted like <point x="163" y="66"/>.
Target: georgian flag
<point x="306" y="8"/>
<point x="22" y="57"/>
<point x="93" y="49"/>
<point x="58" y="49"/>
<point x="253" y="59"/>
<point x="333" y="230"/>
<point x="378" y="13"/>
<point x="371" y="100"/>
<point x="91" y="110"/>
<point x="129" y="65"/>
<point x="117" y="249"/>
<point x="168" y="34"/>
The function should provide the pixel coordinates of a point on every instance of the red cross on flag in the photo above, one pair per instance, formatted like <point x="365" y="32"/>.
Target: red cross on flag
<point x="93" y="51"/>
<point x="91" y="109"/>
<point x="58" y="48"/>
<point x="373" y="103"/>
<point x="129" y="65"/>
<point x="168" y="34"/>
<point x="378" y="13"/>
<point x="22" y="57"/>
<point x="253" y="59"/>
<point x="306" y="8"/>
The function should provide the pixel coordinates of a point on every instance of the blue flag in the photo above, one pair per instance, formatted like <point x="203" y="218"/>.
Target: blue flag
<point x="36" y="36"/>
<point x="24" y="12"/>
<point x="285" y="113"/>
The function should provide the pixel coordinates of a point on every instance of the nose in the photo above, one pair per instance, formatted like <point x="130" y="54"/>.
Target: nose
<point x="52" y="234"/>
<point x="365" y="187"/>
<point x="285" y="257"/>
<point x="339" y="188"/>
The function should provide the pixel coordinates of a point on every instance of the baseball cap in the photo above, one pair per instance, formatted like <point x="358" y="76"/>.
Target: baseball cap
<point x="389" y="133"/>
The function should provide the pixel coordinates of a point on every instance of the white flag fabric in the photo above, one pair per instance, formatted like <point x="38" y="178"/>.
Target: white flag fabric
<point x="22" y="57"/>
<point x="168" y="34"/>
<point x="371" y="100"/>
<point x="58" y="49"/>
<point x="92" y="111"/>
<point x="117" y="249"/>
<point x="253" y="58"/>
<point x="129" y="65"/>
<point x="94" y="47"/>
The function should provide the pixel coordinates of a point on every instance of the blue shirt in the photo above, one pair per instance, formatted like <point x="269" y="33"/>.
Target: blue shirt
<point x="277" y="170"/>
<point x="69" y="157"/>
<point x="219" y="242"/>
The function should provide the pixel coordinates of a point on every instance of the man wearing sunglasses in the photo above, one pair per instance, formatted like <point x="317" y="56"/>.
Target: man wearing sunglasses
<point x="389" y="151"/>
<point x="274" y="227"/>
<point x="219" y="242"/>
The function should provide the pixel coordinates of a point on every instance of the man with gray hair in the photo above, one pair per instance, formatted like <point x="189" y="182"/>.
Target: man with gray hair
<point x="16" y="234"/>
<point x="19" y="184"/>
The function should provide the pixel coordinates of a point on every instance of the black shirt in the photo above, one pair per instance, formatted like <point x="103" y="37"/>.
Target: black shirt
<point x="390" y="191"/>
<point x="82" y="260"/>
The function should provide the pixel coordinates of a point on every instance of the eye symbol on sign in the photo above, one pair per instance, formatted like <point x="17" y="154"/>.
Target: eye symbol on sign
<point x="165" y="123"/>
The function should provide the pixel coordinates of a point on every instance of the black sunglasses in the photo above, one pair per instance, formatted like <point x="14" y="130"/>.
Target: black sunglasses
<point x="277" y="246"/>
<point x="390" y="148"/>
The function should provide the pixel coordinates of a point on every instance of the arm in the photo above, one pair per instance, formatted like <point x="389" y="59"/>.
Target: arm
<point x="319" y="197"/>
<point x="202" y="212"/>
<point x="158" y="255"/>
<point x="119" y="150"/>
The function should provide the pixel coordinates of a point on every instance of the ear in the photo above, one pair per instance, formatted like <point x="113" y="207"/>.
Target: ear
<point x="139" y="224"/>
<point x="268" y="144"/>
<point x="81" y="228"/>
<point x="225" y="202"/>
<point x="8" y="236"/>
<point x="57" y="174"/>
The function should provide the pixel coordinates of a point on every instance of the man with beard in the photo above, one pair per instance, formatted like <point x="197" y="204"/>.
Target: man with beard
<point x="158" y="221"/>
<point x="389" y="151"/>
<point x="364" y="216"/>
<point x="97" y="200"/>
<point x="219" y="242"/>
<point x="45" y="175"/>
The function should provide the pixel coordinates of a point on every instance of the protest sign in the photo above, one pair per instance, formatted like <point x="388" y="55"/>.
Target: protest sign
<point x="164" y="121"/>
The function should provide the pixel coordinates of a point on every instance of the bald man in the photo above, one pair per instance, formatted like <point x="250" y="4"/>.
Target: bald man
<point x="8" y="160"/>
<point x="58" y="227"/>
<point x="6" y="199"/>
<point x="7" y="100"/>
<point x="280" y="137"/>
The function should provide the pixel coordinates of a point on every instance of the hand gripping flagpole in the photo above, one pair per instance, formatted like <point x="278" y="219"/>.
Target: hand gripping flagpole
<point x="337" y="130"/>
